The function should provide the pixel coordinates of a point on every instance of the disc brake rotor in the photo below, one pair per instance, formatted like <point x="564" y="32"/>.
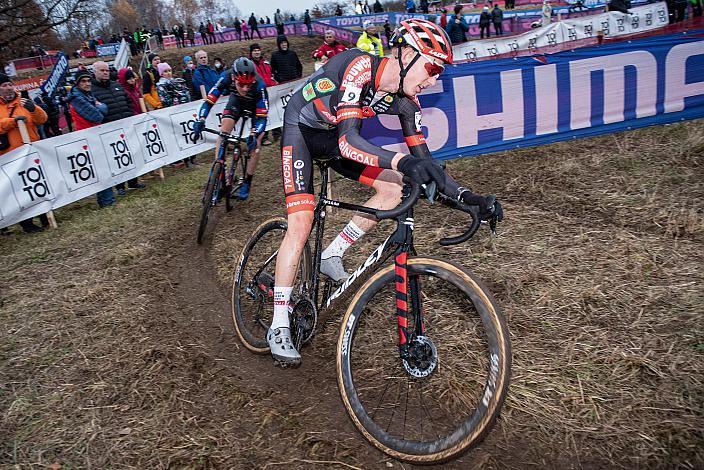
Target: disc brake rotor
<point x="422" y="357"/>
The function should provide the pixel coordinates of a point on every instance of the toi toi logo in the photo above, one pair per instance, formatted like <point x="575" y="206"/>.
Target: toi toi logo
<point x="34" y="182"/>
<point x="121" y="154"/>
<point x="187" y="131"/>
<point x="81" y="167"/>
<point x="153" y="142"/>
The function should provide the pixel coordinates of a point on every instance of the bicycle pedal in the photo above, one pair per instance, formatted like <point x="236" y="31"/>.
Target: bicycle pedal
<point x="286" y="365"/>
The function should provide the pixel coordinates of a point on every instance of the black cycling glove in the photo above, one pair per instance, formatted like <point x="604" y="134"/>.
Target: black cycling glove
<point x="489" y="206"/>
<point x="422" y="170"/>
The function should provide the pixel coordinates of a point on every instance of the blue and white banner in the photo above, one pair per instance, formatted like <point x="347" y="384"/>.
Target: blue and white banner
<point x="57" y="73"/>
<point x="497" y="105"/>
<point x="107" y="49"/>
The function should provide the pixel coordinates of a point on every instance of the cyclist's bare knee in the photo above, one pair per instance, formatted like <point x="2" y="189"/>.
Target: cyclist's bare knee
<point x="389" y="185"/>
<point x="299" y="225"/>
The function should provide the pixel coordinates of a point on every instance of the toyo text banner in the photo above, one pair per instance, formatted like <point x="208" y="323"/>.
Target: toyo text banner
<point x="54" y="172"/>
<point x="489" y="106"/>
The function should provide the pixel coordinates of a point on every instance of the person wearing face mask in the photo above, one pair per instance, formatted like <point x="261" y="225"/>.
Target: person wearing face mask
<point x="203" y="74"/>
<point x="370" y="41"/>
<point x="187" y="75"/>
<point x="219" y="66"/>
<point x="329" y="48"/>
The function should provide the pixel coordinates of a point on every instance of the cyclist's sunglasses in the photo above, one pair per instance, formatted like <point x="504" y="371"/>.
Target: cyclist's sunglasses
<point x="433" y="68"/>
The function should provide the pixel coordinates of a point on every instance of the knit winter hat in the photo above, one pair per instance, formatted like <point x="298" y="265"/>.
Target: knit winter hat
<point x="82" y="74"/>
<point x="4" y="78"/>
<point x="253" y="46"/>
<point x="187" y="59"/>
<point x="129" y="74"/>
<point x="163" y="67"/>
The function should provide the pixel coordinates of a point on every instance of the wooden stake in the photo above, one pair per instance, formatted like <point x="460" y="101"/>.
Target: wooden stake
<point x="160" y="171"/>
<point x="25" y="138"/>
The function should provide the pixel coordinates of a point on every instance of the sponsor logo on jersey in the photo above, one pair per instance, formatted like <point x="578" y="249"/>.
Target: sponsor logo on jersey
<point x="286" y="157"/>
<point x="324" y="85"/>
<point x="308" y="93"/>
<point x="418" y="117"/>
<point x="357" y="155"/>
<point x="388" y="98"/>
<point x="359" y="72"/>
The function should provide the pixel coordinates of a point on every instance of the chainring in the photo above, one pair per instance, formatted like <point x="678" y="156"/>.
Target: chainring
<point x="304" y="318"/>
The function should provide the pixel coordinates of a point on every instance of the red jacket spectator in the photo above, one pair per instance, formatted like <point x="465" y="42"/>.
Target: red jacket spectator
<point x="262" y="66"/>
<point x="129" y="83"/>
<point x="329" y="48"/>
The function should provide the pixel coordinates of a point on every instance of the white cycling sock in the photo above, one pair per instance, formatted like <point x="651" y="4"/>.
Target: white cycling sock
<point x="281" y="297"/>
<point x="345" y="239"/>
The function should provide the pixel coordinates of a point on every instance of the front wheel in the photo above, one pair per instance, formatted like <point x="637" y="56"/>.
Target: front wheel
<point x="444" y="396"/>
<point x="209" y="197"/>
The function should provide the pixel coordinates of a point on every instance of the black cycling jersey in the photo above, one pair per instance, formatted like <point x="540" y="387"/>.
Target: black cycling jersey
<point x="323" y="119"/>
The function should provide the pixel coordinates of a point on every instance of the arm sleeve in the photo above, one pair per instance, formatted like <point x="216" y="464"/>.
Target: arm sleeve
<point x="86" y="110"/>
<point x="223" y="83"/>
<point x="39" y="116"/>
<point x="410" y="117"/>
<point x="349" y="117"/>
<point x="7" y="124"/>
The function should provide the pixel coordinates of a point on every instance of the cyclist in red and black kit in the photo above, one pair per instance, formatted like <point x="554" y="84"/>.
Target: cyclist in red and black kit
<point x="248" y="97"/>
<point x="322" y="121"/>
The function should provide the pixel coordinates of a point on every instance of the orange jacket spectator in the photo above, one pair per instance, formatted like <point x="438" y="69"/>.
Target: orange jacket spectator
<point x="13" y="106"/>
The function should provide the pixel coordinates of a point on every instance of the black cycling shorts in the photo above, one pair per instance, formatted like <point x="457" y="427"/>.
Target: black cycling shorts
<point x="300" y="145"/>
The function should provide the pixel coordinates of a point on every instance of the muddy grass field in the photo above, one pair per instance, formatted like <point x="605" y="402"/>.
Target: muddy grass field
<point x="117" y="349"/>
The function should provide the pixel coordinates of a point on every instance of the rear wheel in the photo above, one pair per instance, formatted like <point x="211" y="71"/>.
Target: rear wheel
<point x="209" y="197"/>
<point x="253" y="284"/>
<point x="445" y="395"/>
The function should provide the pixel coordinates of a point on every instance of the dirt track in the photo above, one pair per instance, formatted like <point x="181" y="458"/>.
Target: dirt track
<point x="117" y="349"/>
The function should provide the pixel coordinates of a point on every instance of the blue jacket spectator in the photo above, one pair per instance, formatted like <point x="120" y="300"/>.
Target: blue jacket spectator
<point x="204" y="74"/>
<point x="457" y="29"/>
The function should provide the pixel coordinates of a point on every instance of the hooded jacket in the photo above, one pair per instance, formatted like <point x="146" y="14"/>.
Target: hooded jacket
<point x="131" y="91"/>
<point x="8" y="111"/>
<point x="113" y="95"/>
<point x="285" y="65"/>
<point x="85" y="112"/>
<point x="150" y="77"/>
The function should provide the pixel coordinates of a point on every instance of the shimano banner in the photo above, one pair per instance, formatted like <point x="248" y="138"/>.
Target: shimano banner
<point x="52" y="82"/>
<point x="495" y="105"/>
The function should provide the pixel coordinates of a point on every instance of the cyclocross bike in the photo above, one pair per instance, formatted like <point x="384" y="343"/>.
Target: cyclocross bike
<point x="423" y="356"/>
<point x="221" y="182"/>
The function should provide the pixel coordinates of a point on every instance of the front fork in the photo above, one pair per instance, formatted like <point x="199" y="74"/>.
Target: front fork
<point x="407" y="293"/>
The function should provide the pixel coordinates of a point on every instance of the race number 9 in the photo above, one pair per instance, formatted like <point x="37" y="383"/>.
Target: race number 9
<point x="351" y="95"/>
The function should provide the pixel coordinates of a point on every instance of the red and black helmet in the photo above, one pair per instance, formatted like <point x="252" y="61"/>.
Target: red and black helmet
<point x="428" y="38"/>
<point x="244" y="72"/>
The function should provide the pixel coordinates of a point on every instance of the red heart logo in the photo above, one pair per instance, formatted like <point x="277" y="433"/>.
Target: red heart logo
<point x="195" y="115"/>
<point x="122" y="136"/>
<point x="154" y="126"/>
<point x="85" y="147"/>
<point x="36" y="160"/>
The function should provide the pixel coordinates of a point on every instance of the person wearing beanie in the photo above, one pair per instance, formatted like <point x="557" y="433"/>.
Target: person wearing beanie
<point x="128" y="81"/>
<point x="285" y="64"/>
<point x="263" y="67"/>
<point x="172" y="91"/>
<point x="370" y="41"/>
<point x="187" y="75"/>
<point x="330" y="47"/>
<point x="484" y="22"/>
<point x="150" y="77"/>
<point x="13" y="109"/>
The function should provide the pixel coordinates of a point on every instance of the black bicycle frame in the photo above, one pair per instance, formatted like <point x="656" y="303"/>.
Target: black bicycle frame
<point x="399" y="243"/>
